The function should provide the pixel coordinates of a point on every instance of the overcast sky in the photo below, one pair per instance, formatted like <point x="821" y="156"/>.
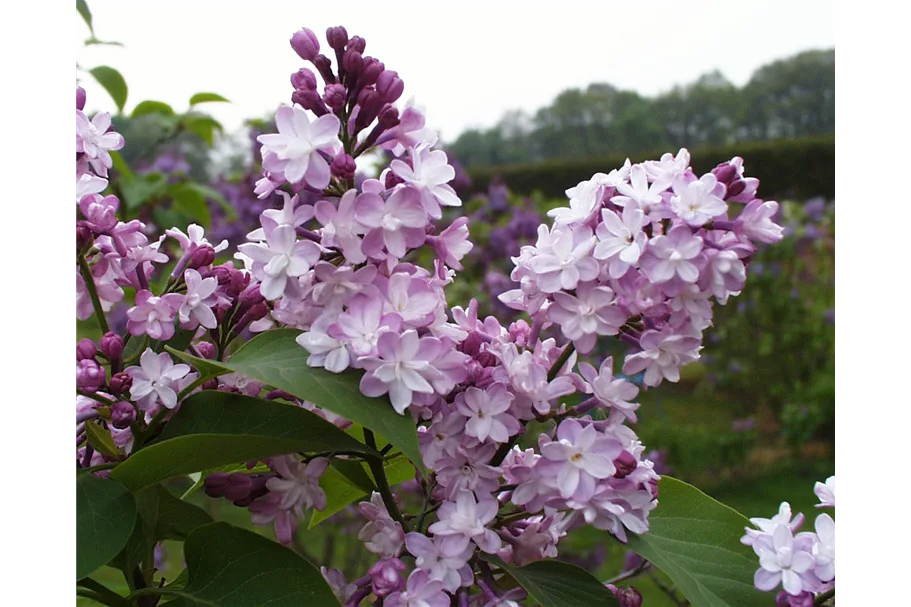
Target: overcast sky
<point x="465" y="63"/>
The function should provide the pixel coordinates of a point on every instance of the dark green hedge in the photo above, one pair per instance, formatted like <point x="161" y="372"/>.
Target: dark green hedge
<point x="786" y="169"/>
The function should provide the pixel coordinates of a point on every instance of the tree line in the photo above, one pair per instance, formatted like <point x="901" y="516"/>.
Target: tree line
<point x="793" y="97"/>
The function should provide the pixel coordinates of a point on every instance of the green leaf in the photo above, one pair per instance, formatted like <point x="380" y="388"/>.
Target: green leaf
<point x="113" y="83"/>
<point x="143" y="188"/>
<point x="177" y="519"/>
<point x="101" y="440"/>
<point x="558" y="584"/>
<point x="275" y="358"/>
<point x="202" y="126"/>
<point x="105" y="516"/>
<point x="231" y="567"/>
<point x="214" y="428"/>
<point x="83" y="9"/>
<point x="213" y="194"/>
<point x="144" y="108"/>
<point x="120" y="165"/>
<point x="94" y="40"/>
<point x="192" y="202"/>
<point x="695" y="540"/>
<point x="206" y="98"/>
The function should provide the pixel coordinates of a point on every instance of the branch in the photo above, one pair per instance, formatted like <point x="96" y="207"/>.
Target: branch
<point x="382" y="483"/>
<point x="89" y="281"/>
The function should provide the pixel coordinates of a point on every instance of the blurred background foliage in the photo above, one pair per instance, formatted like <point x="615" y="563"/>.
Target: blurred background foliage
<point x="752" y="423"/>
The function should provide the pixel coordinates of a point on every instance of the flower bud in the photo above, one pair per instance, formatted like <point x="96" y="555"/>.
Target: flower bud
<point x="305" y="43"/>
<point x="250" y="297"/>
<point x="337" y="37"/>
<point x="357" y="43"/>
<point x="303" y="79"/>
<point x="83" y="235"/>
<point x="206" y="349"/>
<point x="85" y="349"/>
<point x="203" y="256"/>
<point x="389" y="86"/>
<point x="335" y="96"/>
<point x="353" y="63"/>
<point x="519" y="332"/>
<point x="725" y="173"/>
<point x="122" y="415"/>
<point x="89" y="375"/>
<point x="310" y="100"/>
<point x="238" y="486"/>
<point x="216" y="484"/>
<point x="80" y="98"/>
<point x="210" y="384"/>
<point x="386" y="576"/>
<point x="625" y="463"/>
<point x="627" y="596"/>
<point x="112" y="346"/>
<point x="323" y="65"/>
<point x="370" y="71"/>
<point x="389" y="117"/>
<point x="631" y="561"/>
<point x="343" y="166"/>
<point x="120" y="383"/>
<point x="392" y="180"/>
<point x="804" y="599"/>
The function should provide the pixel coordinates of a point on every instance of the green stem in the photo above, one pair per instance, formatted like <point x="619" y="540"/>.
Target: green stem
<point x="200" y="381"/>
<point x="89" y="280"/>
<point x="154" y="592"/>
<point x="98" y="592"/>
<point x="558" y="364"/>
<point x="822" y="598"/>
<point x="382" y="483"/>
<point x="96" y="397"/>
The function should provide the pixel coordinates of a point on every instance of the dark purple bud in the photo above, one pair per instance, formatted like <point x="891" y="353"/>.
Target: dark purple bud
<point x="85" y="349"/>
<point x="255" y="313"/>
<point x="216" y="484"/>
<point x="392" y="180"/>
<point x="120" y="383"/>
<point x="203" y="256"/>
<point x="390" y="86"/>
<point x="488" y="359"/>
<point x="725" y="172"/>
<point x="251" y="296"/>
<point x="238" y="486"/>
<point x="370" y="102"/>
<point x="386" y="576"/>
<point x="111" y="346"/>
<point x="210" y="384"/>
<point x="389" y="117"/>
<point x="736" y="188"/>
<point x="356" y="43"/>
<point x="122" y="415"/>
<point x="804" y="599"/>
<point x="627" y="596"/>
<point x="343" y="166"/>
<point x="472" y="344"/>
<point x="205" y="350"/>
<point x="303" y="79"/>
<point x="83" y="235"/>
<point x="310" y="100"/>
<point x="353" y="63"/>
<point x="323" y="65"/>
<point x="632" y="561"/>
<point x="337" y="37"/>
<point x="80" y="98"/>
<point x="306" y="44"/>
<point x="370" y="71"/>
<point x="334" y="96"/>
<point x="625" y="464"/>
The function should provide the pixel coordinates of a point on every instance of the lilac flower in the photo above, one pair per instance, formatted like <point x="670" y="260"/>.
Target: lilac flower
<point x="787" y="561"/>
<point x="386" y="576"/>
<point x="196" y="308"/>
<point x="724" y="274"/>
<point x="488" y="413"/>
<point x="361" y="325"/>
<point x="265" y="511"/>
<point x="429" y="176"/>
<point x="341" y="227"/>
<point x="578" y="458"/>
<point x="154" y="315"/>
<point x="336" y="580"/>
<point x="452" y="244"/>
<point x="756" y="222"/>
<point x="666" y="169"/>
<point x="398" y="223"/>
<point x="420" y="591"/>
<point x="468" y="469"/>
<point x="96" y="142"/>
<point x="592" y="312"/>
<point x="621" y="239"/>
<point x="194" y="239"/>
<point x="638" y="192"/>
<point x="448" y="568"/>
<point x="663" y="353"/>
<point x="463" y="520"/>
<point x="325" y="350"/>
<point x="614" y="393"/>
<point x="697" y="201"/>
<point x="295" y="150"/>
<point x="153" y="380"/>
<point x="337" y="285"/>
<point x="767" y="526"/>
<point x="89" y="184"/>
<point x="297" y="484"/>
<point x="381" y="535"/>
<point x="400" y="368"/>
<point x="281" y="257"/>
<point x="825" y="493"/>
<point x="676" y="254"/>
<point x="409" y="133"/>
<point x="562" y="258"/>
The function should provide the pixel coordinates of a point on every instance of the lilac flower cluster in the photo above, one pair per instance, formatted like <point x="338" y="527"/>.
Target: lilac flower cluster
<point x="803" y="564"/>
<point x="637" y="255"/>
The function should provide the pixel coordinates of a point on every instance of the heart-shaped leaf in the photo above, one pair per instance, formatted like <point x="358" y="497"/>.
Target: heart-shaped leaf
<point x="113" y="83"/>
<point x="105" y="516"/>
<point x="559" y="584"/>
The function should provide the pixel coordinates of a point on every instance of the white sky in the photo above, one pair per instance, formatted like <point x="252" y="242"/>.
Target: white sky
<point x="465" y="63"/>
